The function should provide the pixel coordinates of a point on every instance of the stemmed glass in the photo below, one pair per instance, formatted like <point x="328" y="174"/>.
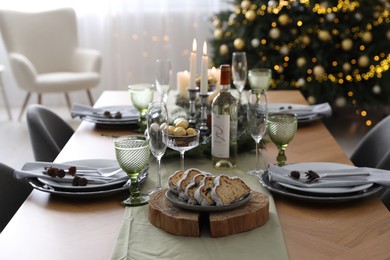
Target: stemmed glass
<point x="257" y="122"/>
<point x="141" y="95"/>
<point x="157" y="127"/>
<point x="259" y="78"/>
<point x="183" y="144"/>
<point x="239" y="72"/>
<point x="132" y="154"/>
<point x="281" y="128"/>
<point x="163" y="77"/>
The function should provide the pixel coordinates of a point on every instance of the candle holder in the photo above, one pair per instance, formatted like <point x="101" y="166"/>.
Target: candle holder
<point x="204" y="130"/>
<point x="192" y="109"/>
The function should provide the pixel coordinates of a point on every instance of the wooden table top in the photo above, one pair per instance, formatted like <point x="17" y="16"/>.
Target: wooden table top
<point x="49" y="227"/>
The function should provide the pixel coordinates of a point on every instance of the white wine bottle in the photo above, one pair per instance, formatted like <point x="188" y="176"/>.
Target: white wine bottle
<point x="224" y="124"/>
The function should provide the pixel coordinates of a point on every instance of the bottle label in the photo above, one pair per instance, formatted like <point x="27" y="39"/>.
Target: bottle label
<point x="220" y="135"/>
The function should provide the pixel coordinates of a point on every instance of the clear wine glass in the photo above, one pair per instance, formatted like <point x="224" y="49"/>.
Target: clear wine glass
<point x="281" y="128"/>
<point x="259" y="78"/>
<point x="157" y="127"/>
<point x="257" y="122"/>
<point x="132" y="154"/>
<point x="163" y="78"/>
<point x="141" y="95"/>
<point x="239" y="72"/>
<point x="183" y="144"/>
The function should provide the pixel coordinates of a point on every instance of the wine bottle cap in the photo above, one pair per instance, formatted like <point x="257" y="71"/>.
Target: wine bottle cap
<point x="225" y="74"/>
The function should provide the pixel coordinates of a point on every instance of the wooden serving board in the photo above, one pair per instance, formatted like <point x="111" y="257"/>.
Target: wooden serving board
<point x="163" y="214"/>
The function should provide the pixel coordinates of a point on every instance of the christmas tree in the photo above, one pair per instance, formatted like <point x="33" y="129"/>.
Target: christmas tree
<point x="335" y="51"/>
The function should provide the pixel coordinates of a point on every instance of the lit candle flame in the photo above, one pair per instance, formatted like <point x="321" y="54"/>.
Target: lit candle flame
<point x="205" y="49"/>
<point x="194" y="45"/>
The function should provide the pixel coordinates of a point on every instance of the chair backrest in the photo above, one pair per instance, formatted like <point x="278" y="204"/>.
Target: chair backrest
<point x="48" y="39"/>
<point x="374" y="149"/>
<point x="48" y="132"/>
<point x="13" y="193"/>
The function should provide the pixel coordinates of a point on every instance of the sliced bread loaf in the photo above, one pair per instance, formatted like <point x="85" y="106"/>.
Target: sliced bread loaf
<point x="203" y="192"/>
<point x="174" y="179"/>
<point x="227" y="190"/>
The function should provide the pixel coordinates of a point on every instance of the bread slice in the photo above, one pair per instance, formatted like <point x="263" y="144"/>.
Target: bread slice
<point x="203" y="192"/>
<point x="227" y="190"/>
<point x="186" y="179"/>
<point x="174" y="179"/>
<point x="189" y="192"/>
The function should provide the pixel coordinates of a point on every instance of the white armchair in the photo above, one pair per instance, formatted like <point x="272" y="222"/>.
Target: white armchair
<point x="44" y="55"/>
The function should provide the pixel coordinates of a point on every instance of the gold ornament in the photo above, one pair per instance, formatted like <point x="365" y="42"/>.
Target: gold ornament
<point x="318" y="71"/>
<point x="284" y="19"/>
<point x="218" y="34"/>
<point x="274" y="33"/>
<point x="223" y="49"/>
<point x="367" y="37"/>
<point x="376" y="89"/>
<point x="245" y="4"/>
<point x="311" y="100"/>
<point x="347" y="67"/>
<point x="388" y="34"/>
<point x="347" y="44"/>
<point x="364" y="61"/>
<point x="239" y="43"/>
<point x="340" y="102"/>
<point x="250" y="15"/>
<point x="324" y="35"/>
<point x="301" y="61"/>
<point x="306" y="40"/>
<point x="217" y="23"/>
<point x="255" y="43"/>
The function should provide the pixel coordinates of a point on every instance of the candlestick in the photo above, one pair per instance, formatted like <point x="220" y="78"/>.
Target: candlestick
<point x="204" y="72"/>
<point x="204" y="130"/>
<point x="192" y="109"/>
<point x="193" y="66"/>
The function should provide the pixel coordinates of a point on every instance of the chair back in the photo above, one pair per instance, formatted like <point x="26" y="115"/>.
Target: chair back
<point x="374" y="149"/>
<point x="13" y="193"/>
<point x="48" y="39"/>
<point x="48" y="132"/>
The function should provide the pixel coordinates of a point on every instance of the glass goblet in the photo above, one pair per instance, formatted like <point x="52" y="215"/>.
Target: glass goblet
<point x="259" y="78"/>
<point x="132" y="154"/>
<point x="157" y="127"/>
<point x="239" y="72"/>
<point x="163" y="78"/>
<point x="281" y="128"/>
<point x="257" y="122"/>
<point x="141" y="95"/>
<point x="183" y="144"/>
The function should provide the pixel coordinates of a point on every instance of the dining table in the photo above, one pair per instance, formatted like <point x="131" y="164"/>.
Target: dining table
<point x="56" y="227"/>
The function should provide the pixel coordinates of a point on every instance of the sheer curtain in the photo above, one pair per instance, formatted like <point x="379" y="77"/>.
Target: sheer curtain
<point x="131" y="35"/>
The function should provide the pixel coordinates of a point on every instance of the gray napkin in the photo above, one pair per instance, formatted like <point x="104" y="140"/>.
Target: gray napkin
<point x="323" y="109"/>
<point x="381" y="177"/>
<point x="127" y="112"/>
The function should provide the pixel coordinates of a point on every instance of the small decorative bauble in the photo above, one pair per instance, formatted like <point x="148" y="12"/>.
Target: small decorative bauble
<point x="347" y="44"/>
<point x="388" y="34"/>
<point x="245" y="4"/>
<point x="301" y="82"/>
<point x="364" y="61"/>
<point x="223" y="49"/>
<point x="347" y="67"/>
<point x="217" y="23"/>
<point x="283" y="19"/>
<point x="311" y="100"/>
<point x="284" y="50"/>
<point x="218" y="34"/>
<point x="301" y="61"/>
<point x="367" y="37"/>
<point x="232" y="17"/>
<point x="324" y="35"/>
<point x="274" y="33"/>
<point x="318" y="71"/>
<point x="239" y="43"/>
<point x="255" y="43"/>
<point x="340" y="102"/>
<point x="330" y="17"/>
<point x="376" y="89"/>
<point x="250" y="15"/>
<point x="358" y="16"/>
<point x="306" y="40"/>
<point x="280" y="70"/>
<point x="272" y="3"/>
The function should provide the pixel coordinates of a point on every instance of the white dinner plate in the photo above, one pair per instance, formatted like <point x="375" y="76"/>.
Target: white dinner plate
<point x="174" y="199"/>
<point x="331" y="195"/>
<point x="333" y="190"/>
<point x="130" y="115"/>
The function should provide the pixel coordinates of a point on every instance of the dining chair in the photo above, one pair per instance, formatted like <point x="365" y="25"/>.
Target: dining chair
<point x="13" y="192"/>
<point x="43" y="52"/>
<point x="48" y="132"/>
<point x="374" y="151"/>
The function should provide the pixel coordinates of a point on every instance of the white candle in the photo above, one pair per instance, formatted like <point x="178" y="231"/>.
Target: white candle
<point x="193" y="66"/>
<point x="204" y="72"/>
<point x="183" y="81"/>
<point x="217" y="74"/>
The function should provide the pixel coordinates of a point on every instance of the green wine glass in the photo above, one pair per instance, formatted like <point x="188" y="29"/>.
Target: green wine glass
<point x="132" y="154"/>
<point x="141" y="95"/>
<point x="259" y="78"/>
<point x="281" y="128"/>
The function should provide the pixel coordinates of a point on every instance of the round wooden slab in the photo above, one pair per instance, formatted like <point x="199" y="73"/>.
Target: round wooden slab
<point x="180" y="222"/>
